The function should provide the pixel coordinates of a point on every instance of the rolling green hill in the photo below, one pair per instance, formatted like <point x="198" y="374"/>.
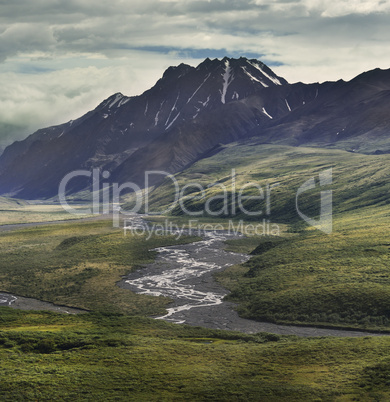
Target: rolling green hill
<point x="341" y="279"/>
<point x="358" y="181"/>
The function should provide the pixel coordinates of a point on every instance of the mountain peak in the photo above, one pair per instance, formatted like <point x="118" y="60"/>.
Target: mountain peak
<point x="255" y="70"/>
<point x="178" y="71"/>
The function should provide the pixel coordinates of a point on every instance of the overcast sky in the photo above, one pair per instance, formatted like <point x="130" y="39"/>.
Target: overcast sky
<point x="60" y="58"/>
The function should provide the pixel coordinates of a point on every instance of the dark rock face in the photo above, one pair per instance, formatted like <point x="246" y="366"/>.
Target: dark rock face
<point x="120" y="126"/>
<point x="191" y="110"/>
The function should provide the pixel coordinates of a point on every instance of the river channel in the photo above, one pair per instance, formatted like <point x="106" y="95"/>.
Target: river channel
<point x="185" y="274"/>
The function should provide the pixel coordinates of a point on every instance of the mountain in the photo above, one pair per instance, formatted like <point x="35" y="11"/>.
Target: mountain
<point x="189" y="114"/>
<point x="346" y="115"/>
<point x="107" y="136"/>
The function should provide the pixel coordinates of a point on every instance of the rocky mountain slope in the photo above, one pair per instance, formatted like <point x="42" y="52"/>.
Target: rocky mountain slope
<point x="350" y="115"/>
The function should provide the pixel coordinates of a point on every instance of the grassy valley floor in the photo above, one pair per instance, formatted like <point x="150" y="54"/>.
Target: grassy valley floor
<point x="77" y="264"/>
<point x="114" y="353"/>
<point x="13" y="212"/>
<point x="46" y="356"/>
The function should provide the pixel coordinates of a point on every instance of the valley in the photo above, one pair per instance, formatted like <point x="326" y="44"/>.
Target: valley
<point x="115" y="351"/>
<point x="273" y="279"/>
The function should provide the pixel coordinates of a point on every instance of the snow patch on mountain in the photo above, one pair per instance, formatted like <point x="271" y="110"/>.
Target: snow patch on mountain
<point x="123" y="101"/>
<point x="227" y="80"/>
<point x="268" y="115"/>
<point x="118" y="97"/>
<point x="253" y="78"/>
<point x="173" y="108"/>
<point x="156" y="119"/>
<point x="273" y="79"/>
<point x="170" y="124"/>
<point x="204" y="104"/>
<point x="200" y="86"/>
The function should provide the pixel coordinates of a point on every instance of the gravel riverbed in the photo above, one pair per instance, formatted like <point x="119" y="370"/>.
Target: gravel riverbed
<point x="185" y="274"/>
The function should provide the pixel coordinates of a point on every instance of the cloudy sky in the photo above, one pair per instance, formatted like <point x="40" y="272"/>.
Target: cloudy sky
<point x="60" y="58"/>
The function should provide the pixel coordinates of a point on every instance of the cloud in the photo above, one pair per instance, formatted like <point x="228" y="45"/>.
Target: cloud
<point x="112" y="28"/>
<point x="59" y="59"/>
<point x="342" y="8"/>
